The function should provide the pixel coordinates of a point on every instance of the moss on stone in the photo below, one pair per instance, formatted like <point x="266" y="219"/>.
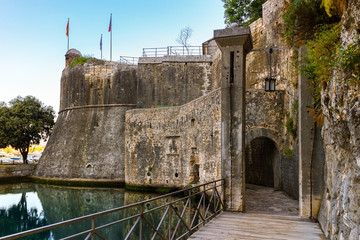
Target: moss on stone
<point x="150" y="189"/>
<point x="10" y="180"/>
<point x="4" y="165"/>
<point x="77" y="183"/>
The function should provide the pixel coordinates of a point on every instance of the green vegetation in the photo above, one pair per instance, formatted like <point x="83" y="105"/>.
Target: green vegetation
<point x="295" y="107"/>
<point x="242" y="12"/>
<point x="24" y="123"/>
<point x="291" y="127"/>
<point x="303" y="19"/>
<point x="316" y="25"/>
<point x="80" y="60"/>
<point x="149" y="189"/>
<point x="349" y="61"/>
<point x="288" y="152"/>
<point x="162" y="106"/>
<point x="63" y="182"/>
<point x="321" y="59"/>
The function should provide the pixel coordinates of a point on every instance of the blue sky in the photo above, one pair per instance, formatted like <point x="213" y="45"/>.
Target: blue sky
<point x="33" y="38"/>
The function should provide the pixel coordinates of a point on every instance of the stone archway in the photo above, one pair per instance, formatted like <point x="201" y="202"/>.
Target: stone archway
<point x="263" y="176"/>
<point x="261" y="162"/>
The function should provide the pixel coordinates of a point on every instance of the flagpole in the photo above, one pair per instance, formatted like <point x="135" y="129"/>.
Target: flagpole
<point x="68" y="34"/>
<point x="101" y="47"/>
<point x="110" y="37"/>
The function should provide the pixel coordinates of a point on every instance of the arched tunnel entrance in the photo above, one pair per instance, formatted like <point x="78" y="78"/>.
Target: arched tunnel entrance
<point x="260" y="160"/>
<point x="263" y="176"/>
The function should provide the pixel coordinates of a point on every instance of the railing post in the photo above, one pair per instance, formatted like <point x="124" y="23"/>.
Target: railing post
<point x="141" y="221"/>
<point x="215" y="196"/>
<point x="93" y="228"/>
<point x="169" y="223"/>
<point x="189" y="209"/>
<point x="204" y="203"/>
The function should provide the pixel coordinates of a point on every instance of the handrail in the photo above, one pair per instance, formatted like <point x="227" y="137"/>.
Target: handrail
<point x="129" y="60"/>
<point x="209" y="205"/>
<point x="177" y="51"/>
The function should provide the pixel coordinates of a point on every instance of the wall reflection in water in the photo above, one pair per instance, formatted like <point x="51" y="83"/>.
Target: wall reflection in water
<point x="26" y="206"/>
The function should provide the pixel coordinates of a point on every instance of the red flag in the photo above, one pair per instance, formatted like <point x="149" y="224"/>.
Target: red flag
<point x="67" y="29"/>
<point x="110" y="23"/>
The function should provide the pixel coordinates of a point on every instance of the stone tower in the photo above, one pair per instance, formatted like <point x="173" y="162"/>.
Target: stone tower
<point x="88" y="138"/>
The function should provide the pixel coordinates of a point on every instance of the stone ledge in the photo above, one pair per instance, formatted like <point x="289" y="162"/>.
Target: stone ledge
<point x="79" y="182"/>
<point x="98" y="106"/>
<point x="11" y="171"/>
<point x="178" y="59"/>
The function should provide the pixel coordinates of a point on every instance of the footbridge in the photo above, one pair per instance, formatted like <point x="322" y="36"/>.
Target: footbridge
<point x="196" y="212"/>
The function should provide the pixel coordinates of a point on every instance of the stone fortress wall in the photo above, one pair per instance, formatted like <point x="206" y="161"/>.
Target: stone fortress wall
<point x="88" y="137"/>
<point x="107" y="128"/>
<point x="94" y="99"/>
<point x="173" y="147"/>
<point x="96" y="96"/>
<point x="174" y="80"/>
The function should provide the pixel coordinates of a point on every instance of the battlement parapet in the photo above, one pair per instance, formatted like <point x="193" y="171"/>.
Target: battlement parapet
<point x="175" y="59"/>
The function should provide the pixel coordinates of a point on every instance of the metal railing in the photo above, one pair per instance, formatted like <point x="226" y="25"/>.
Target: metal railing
<point x="176" y="51"/>
<point x="129" y="60"/>
<point x="180" y="217"/>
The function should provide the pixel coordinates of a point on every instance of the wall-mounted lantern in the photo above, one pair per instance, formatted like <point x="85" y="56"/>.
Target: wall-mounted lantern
<point x="270" y="84"/>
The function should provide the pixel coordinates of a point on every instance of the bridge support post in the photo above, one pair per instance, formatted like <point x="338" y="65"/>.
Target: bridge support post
<point x="234" y="43"/>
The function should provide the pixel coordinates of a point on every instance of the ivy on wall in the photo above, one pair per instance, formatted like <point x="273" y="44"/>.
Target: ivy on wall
<point x="316" y="25"/>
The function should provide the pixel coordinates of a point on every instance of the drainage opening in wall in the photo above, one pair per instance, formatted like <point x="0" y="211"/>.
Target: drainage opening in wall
<point x="176" y="174"/>
<point x="89" y="166"/>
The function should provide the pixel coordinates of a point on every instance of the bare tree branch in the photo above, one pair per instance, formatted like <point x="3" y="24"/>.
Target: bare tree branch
<point x="184" y="36"/>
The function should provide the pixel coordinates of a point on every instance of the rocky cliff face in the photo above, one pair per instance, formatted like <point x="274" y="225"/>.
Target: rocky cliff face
<point x="340" y="211"/>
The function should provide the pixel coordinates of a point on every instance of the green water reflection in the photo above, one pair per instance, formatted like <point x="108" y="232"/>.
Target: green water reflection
<point x="27" y="206"/>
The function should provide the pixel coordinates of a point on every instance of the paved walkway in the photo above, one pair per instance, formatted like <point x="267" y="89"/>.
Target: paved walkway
<point x="239" y="226"/>
<point x="265" y="200"/>
<point x="269" y="215"/>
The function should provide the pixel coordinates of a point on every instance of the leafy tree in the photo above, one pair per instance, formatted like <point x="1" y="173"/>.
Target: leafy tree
<point x="184" y="36"/>
<point x="3" y="121"/>
<point x="303" y="19"/>
<point x="25" y="122"/>
<point x="242" y="12"/>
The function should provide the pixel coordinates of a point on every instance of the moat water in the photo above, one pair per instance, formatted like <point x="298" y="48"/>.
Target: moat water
<point x="26" y="206"/>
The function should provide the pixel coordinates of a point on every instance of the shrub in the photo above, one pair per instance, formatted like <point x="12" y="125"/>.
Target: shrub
<point x="321" y="59"/>
<point x="302" y="19"/>
<point x="80" y="60"/>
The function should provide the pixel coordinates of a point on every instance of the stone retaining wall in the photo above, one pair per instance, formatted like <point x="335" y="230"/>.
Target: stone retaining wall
<point x="9" y="171"/>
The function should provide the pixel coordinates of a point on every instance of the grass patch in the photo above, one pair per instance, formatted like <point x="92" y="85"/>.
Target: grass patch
<point x="162" y="106"/>
<point x="80" y="60"/>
